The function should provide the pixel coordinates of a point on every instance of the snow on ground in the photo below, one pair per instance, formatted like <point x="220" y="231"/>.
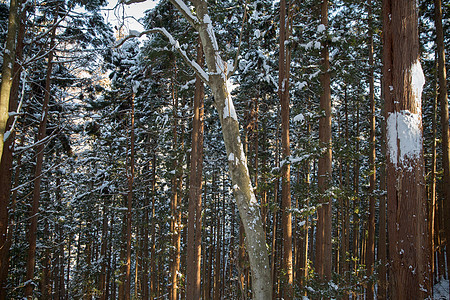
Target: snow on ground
<point x="440" y="290"/>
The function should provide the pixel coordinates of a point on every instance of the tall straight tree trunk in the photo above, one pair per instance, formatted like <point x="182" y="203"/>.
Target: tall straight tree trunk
<point x="153" y="268"/>
<point x="370" y="251"/>
<point x="175" y="199"/>
<point x="409" y="247"/>
<point x="130" y="205"/>
<point x="286" y="215"/>
<point x="443" y="100"/>
<point x="194" y="248"/>
<point x="323" y="241"/>
<point x="6" y="165"/>
<point x="7" y="74"/>
<point x="432" y="184"/>
<point x="382" y="239"/>
<point x="104" y="243"/>
<point x="32" y="230"/>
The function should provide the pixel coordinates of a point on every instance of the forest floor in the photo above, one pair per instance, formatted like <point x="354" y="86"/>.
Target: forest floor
<point x="440" y="291"/>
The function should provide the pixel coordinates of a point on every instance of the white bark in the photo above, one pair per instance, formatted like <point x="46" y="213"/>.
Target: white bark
<point x="216" y="78"/>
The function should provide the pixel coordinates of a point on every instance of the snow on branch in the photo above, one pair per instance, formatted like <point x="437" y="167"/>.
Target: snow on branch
<point x="128" y="2"/>
<point x="185" y="11"/>
<point x="194" y="65"/>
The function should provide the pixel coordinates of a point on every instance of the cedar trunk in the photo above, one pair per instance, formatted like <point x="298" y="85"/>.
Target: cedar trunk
<point x="443" y="100"/>
<point x="409" y="246"/>
<point x="195" y="192"/>
<point x="286" y="222"/>
<point x="323" y="242"/>
<point x="32" y="230"/>
<point x="370" y="250"/>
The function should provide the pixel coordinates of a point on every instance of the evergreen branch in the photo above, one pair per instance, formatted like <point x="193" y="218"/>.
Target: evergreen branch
<point x="193" y="64"/>
<point x="185" y="11"/>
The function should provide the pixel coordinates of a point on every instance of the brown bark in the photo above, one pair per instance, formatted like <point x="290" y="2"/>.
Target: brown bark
<point x="130" y="205"/>
<point x="443" y="100"/>
<point x="175" y="224"/>
<point x="286" y="217"/>
<point x="432" y="186"/>
<point x="46" y="280"/>
<point x="409" y="247"/>
<point x="370" y="250"/>
<point x="195" y="192"/>
<point x="323" y="243"/>
<point x="7" y="76"/>
<point x="382" y="246"/>
<point x="6" y="164"/>
<point x="153" y="269"/>
<point x="32" y="230"/>
<point x="102" y="280"/>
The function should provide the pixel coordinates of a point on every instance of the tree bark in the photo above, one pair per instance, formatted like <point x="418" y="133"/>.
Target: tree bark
<point x="370" y="252"/>
<point x="382" y="239"/>
<point x="409" y="246"/>
<point x="286" y="222"/>
<point x="443" y="100"/>
<point x="7" y="74"/>
<point x="6" y="164"/>
<point x="323" y="243"/>
<point x="237" y="161"/>
<point x="32" y="230"/>
<point x="194" y="251"/>
<point x="130" y="205"/>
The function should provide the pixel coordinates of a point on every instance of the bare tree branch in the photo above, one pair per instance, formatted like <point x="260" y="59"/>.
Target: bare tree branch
<point x="194" y="65"/>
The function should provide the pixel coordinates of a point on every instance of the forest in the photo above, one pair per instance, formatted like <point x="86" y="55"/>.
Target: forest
<point x="233" y="149"/>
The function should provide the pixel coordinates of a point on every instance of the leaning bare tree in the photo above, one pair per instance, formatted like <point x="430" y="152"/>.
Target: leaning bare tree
<point x="216" y="77"/>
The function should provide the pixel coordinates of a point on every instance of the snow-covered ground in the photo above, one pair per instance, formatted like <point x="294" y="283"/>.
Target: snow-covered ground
<point x="440" y="290"/>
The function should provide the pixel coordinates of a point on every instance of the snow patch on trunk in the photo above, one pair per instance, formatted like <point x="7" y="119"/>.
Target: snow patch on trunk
<point x="404" y="137"/>
<point x="228" y="110"/>
<point x="417" y="82"/>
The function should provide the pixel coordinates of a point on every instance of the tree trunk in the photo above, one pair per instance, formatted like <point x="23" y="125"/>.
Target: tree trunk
<point x="323" y="243"/>
<point x="409" y="247"/>
<point x="32" y="230"/>
<point x="237" y="161"/>
<point x="175" y="228"/>
<point x="370" y="252"/>
<point x="194" y="249"/>
<point x="104" y="245"/>
<point x="6" y="166"/>
<point x="443" y="100"/>
<point x="7" y="76"/>
<point x="130" y="205"/>
<point x="286" y="217"/>
<point x="153" y="269"/>
<point x="382" y="246"/>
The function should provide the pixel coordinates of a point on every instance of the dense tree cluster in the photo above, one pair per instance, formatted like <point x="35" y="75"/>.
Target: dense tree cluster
<point x="234" y="150"/>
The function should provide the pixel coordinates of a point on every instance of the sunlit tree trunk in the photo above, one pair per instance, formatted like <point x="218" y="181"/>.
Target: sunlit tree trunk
<point x="6" y="164"/>
<point x="443" y="100"/>
<point x="323" y="242"/>
<point x="195" y="192"/>
<point x="409" y="247"/>
<point x="286" y="215"/>
<point x="370" y="252"/>
<point x="7" y="75"/>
